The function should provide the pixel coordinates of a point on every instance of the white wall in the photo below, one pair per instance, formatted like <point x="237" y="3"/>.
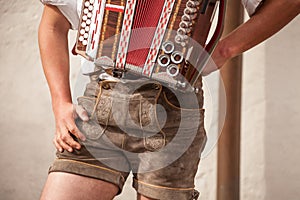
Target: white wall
<point x="270" y="153"/>
<point x="27" y="125"/>
<point x="271" y="117"/>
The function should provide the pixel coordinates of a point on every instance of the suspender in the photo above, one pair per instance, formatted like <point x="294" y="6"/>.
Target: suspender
<point x="125" y="34"/>
<point x="158" y="37"/>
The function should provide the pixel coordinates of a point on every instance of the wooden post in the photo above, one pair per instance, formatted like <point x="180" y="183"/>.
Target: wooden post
<point x="228" y="183"/>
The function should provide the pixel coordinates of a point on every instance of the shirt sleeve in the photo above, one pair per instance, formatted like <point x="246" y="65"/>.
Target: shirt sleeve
<point x="69" y="9"/>
<point x="252" y="5"/>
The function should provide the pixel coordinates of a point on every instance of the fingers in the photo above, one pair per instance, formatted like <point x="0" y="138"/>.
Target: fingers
<point x="81" y="112"/>
<point x="66" y="128"/>
<point x="57" y="146"/>
<point x="209" y="68"/>
<point x="75" y="131"/>
<point x="63" y="139"/>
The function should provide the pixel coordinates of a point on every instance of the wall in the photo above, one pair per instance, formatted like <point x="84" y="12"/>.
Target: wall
<point x="27" y="125"/>
<point x="269" y="124"/>
<point x="270" y="118"/>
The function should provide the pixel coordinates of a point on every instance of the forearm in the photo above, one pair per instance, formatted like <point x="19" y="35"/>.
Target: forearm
<point x="272" y="16"/>
<point x="54" y="55"/>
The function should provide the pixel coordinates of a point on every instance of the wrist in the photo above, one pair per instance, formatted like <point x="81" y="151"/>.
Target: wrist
<point x="59" y="106"/>
<point x="222" y="53"/>
<point x="225" y="50"/>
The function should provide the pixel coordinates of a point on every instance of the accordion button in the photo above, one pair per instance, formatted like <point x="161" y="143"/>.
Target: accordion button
<point x="86" y="11"/>
<point x="82" y="31"/>
<point x="86" y="35"/>
<point x="88" y="22"/>
<point x="172" y="70"/>
<point x="192" y="3"/>
<point x="87" y="29"/>
<point x="181" y="31"/>
<point x="86" y="4"/>
<point x="84" y="17"/>
<point x="177" y="39"/>
<point x="186" y="18"/>
<point x="184" y="24"/>
<point x="89" y="15"/>
<point x="168" y="47"/>
<point x="92" y="1"/>
<point x="177" y="57"/>
<point x="83" y="24"/>
<point x="164" y="60"/>
<point x="84" y="42"/>
<point x="189" y="11"/>
<point x="81" y="38"/>
<point x="91" y="8"/>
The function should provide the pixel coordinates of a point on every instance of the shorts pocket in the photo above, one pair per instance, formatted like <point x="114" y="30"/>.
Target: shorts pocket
<point x="183" y="117"/>
<point x="128" y="111"/>
<point x="91" y="129"/>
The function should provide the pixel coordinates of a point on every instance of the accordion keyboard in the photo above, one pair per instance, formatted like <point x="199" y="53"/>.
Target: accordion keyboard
<point x="164" y="40"/>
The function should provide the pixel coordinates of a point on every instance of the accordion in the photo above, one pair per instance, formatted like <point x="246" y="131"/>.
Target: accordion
<point x="163" y="40"/>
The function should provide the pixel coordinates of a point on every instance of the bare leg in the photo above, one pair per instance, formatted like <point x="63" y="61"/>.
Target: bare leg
<point x="141" y="197"/>
<point x="65" y="186"/>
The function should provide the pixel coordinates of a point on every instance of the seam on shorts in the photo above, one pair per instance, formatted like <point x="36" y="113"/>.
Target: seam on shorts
<point x="163" y="187"/>
<point x="179" y="108"/>
<point x="91" y="165"/>
<point x="123" y="141"/>
<point x="86" y="97"/>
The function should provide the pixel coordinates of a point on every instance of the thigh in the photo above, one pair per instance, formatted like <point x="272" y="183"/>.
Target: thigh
<point x="65" y="186"/>
<point x="141" y="197"/>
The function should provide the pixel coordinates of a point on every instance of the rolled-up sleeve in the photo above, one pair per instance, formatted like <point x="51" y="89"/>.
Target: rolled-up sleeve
<point x="69" y="9"/>
<point x="252" y="5"/>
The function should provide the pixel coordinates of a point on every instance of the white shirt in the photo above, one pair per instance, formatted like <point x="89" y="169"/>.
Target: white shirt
<point x="251" y="5"/>
<point x="71" y="8"/>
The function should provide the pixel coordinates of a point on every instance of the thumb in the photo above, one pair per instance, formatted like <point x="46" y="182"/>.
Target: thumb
<point x="81" y="112"/>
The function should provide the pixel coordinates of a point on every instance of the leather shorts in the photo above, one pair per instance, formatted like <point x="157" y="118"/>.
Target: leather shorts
<point x="140" y="127"/>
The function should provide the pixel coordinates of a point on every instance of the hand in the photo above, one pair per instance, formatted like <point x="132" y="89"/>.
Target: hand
<point x="65" y="116"/>
<point x="218" y="58"/>
<point x="209" y="67"/>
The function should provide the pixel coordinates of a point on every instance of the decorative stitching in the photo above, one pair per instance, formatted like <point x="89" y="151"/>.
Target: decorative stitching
<point x="163" y="187"/>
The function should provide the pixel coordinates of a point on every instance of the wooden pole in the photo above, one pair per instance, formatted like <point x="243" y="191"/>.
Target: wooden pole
<point x="228" y="183"/>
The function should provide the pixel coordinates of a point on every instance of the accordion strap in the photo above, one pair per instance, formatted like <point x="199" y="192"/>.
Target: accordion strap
<point x="158" y="37"/>
<point x="125" y="34"/>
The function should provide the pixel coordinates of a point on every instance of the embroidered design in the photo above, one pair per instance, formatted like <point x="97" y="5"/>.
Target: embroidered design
<point x="155" y="142"/>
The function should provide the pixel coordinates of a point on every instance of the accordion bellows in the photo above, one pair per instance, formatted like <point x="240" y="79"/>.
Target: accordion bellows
<point x="163" y="40"/>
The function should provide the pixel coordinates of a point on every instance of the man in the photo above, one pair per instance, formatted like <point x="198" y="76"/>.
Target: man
<point x="74" y="175"/>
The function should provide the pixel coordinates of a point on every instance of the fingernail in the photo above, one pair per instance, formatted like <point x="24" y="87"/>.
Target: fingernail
<point x="70" y="150"/>
<point x="60" y="150"/>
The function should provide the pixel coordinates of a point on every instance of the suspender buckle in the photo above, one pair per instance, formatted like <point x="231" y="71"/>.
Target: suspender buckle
<point x="118" y="73"/>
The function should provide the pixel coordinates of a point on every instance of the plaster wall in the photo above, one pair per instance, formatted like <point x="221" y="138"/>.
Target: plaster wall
<point x="270" y="118"/>
<point x="270" y="114"/>
<point x="27" y="125"/>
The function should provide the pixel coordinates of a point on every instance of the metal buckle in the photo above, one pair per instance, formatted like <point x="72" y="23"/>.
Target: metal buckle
<point x="195" y="195"/>
<point x="118" y="73"/>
